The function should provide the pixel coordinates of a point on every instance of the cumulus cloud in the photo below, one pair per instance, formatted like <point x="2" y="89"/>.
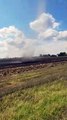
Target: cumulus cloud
<point x="49" y="34"/>
<point x="44" y="21"/>
<point x="47" y="28"/>
<point x="62" y="35"/>
<point x="54" y="41"/>
<point x="14" y="43"/>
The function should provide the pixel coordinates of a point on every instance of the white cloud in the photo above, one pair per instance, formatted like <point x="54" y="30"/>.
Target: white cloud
<point x="13" y="42"/>
<point x="49" y="34"/>
<point x="62" y="35"/>
<point x="12" y="33"/>
<point x="52" y="40"/>
<point x="47" y="28"/>
<point x="52" y="47"/>
<point x="44" y="22"/>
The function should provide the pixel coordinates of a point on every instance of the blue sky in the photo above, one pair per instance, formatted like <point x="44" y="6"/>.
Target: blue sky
<point x="21" y="12"/>
<point x="17" y="12"/>
<point x="22" y="17"/>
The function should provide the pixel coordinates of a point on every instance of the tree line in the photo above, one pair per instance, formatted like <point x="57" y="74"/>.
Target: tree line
<point x="53" y="55"/>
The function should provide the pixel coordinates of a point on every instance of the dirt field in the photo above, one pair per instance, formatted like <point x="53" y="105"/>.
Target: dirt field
<point x="13" y="79"/>
<point x="35" y="92"/>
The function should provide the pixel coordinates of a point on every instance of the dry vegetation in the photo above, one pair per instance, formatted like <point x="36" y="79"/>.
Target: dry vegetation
<point x="37" y="92"/>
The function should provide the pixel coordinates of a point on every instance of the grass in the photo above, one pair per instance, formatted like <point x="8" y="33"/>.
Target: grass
<point x="44" y="102"/>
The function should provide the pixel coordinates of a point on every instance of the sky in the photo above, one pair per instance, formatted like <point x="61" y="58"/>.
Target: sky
<point x="32" y="27"/>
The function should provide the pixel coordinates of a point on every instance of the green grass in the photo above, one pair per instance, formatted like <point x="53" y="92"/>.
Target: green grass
<point x="43" y="102"/>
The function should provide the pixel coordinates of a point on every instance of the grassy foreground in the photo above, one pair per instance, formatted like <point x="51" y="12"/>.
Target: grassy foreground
<point x="47" y="101"/>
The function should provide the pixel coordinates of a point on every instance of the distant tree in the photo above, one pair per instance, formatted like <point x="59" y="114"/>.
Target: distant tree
<point x="62" y="54"/>
<point x="53" y="55"/>
<point x="41" y="55"/>
<point x="44" y="55"/>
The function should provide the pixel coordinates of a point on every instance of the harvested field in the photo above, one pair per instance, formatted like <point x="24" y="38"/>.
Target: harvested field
<point x="35" y="92"/>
